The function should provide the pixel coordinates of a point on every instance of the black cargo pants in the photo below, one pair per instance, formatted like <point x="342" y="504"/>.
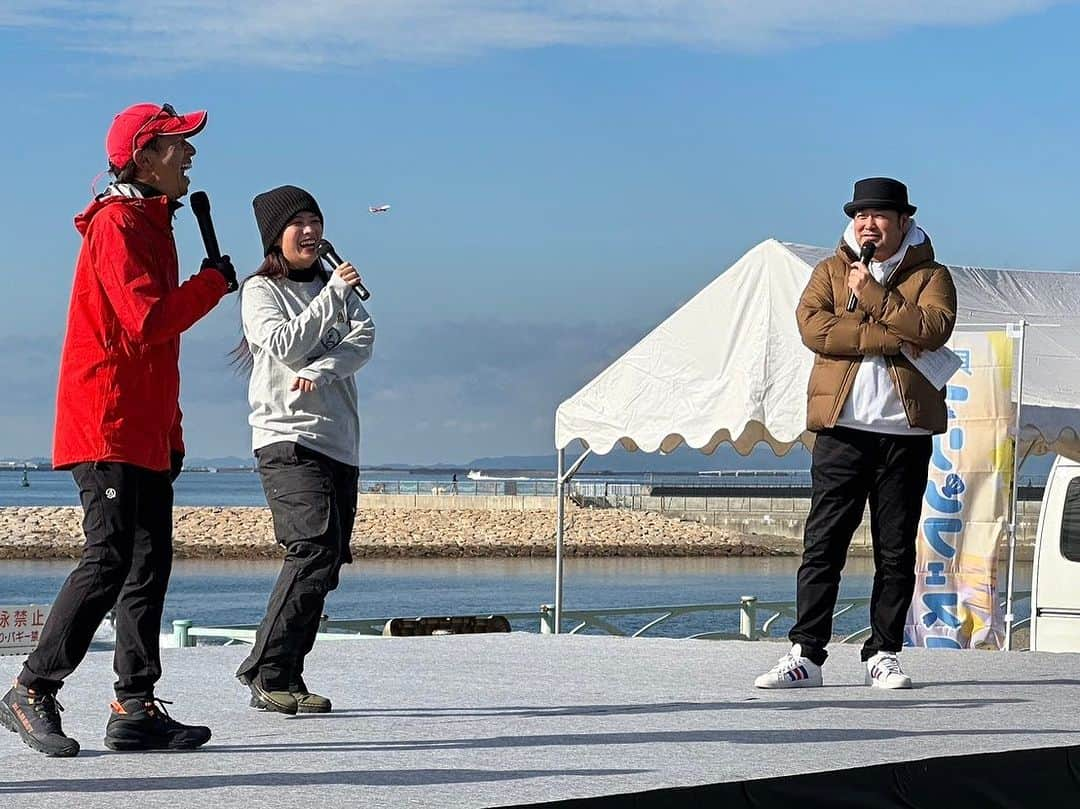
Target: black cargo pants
<point x="312" y="499"/>
<point x="126" y="562"/>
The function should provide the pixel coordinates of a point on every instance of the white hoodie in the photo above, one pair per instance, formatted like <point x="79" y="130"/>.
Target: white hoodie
<point x="874" y="403"/>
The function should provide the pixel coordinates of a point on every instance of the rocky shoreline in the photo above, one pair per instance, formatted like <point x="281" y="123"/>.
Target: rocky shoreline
<point x="387" y="532"/>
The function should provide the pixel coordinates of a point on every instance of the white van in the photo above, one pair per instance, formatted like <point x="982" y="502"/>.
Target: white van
<point x="1055" y="578"/>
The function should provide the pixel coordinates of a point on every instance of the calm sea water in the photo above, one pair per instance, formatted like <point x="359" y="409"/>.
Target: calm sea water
<point x="235" y="592"/>
<point x="242" y="488"/>
<point x="227" y="592"/>
<point x="49" y="488"/>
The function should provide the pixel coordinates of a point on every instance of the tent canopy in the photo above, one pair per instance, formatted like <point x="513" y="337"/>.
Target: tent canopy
<point x="730" y="365"/>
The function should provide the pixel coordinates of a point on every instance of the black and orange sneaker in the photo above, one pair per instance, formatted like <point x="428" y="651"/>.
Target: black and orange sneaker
<point x="36" y="718"/>
<point x="137" y="724"/>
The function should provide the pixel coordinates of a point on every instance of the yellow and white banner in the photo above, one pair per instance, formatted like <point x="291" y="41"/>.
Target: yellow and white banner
<point x="966" y="503"/>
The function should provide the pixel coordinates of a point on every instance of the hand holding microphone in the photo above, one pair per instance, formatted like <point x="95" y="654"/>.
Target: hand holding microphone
<point x="200" y="206"/>
<point x="224" y="266"/>
<point x="866" y="255"/>
<point x="348" y="273"/>
<point x="344" y="270"/>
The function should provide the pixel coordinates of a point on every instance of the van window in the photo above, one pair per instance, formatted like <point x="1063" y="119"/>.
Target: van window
<point x="1070" y="522"/>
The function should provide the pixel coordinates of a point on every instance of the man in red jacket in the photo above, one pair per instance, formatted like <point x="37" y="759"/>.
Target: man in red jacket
<point x="118" y="431"/>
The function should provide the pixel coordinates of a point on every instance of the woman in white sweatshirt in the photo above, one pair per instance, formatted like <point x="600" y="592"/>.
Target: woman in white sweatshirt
<point x="305" y="334"/>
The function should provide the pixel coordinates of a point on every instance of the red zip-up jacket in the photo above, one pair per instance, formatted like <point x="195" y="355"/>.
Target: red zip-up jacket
<point x="118" y="397"/>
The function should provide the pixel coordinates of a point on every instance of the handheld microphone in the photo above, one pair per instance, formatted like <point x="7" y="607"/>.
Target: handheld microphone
<point x="866" y="254"/>
<point x="200" y="206"/>
<point x="326" y="250"/>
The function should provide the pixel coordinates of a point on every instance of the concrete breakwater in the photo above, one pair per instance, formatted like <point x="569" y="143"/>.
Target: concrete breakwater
<point x="411" y="526"/>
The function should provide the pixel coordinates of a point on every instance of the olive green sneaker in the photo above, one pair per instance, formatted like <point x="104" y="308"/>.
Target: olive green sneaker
<point x="273" y="701"/>
<point x="306" y="702"/>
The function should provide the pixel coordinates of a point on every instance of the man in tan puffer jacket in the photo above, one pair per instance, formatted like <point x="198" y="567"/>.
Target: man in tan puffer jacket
<point x="873" y="414"/>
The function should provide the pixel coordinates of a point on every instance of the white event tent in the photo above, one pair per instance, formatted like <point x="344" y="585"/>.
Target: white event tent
<point x="729" y="365"/>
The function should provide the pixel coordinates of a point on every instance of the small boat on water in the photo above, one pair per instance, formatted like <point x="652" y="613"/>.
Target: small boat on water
<point x="476" y="475"/>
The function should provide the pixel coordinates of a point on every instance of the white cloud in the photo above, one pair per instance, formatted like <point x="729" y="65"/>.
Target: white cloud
<point x="286" y="33"/>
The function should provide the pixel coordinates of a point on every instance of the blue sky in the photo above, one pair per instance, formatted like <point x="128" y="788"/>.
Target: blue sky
<point x="563" y="175"/>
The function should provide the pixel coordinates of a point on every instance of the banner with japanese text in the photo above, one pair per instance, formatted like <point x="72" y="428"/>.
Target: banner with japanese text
<point x="966" y="505"/>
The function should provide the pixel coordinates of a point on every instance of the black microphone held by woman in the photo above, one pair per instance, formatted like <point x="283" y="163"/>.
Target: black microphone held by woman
<point x="326" y="250"/>
<point x="866" y="254"/>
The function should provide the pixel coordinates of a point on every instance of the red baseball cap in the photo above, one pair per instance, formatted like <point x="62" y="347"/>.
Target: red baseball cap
<point x="135" y="126"/>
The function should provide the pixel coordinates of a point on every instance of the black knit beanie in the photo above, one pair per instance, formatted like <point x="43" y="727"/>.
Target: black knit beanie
<point x="274" y="209"/>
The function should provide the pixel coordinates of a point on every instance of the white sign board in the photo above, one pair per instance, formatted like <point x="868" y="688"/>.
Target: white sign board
<point x="20" y="627"/>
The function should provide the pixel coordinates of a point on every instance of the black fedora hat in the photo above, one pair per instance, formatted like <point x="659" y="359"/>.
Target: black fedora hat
<point x="883" y="193"/>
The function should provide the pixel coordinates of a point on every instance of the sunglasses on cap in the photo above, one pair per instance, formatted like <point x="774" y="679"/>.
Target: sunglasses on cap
<point x="167" y="111"/>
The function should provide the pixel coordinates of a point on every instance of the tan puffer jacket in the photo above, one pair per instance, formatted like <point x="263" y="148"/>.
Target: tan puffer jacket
<point x="917" y="306"/>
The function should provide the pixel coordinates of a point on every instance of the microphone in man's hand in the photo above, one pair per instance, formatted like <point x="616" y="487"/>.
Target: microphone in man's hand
<point x="866" y="254"/>
<point x="326" y="250"/>
<point x="200" y="206"/>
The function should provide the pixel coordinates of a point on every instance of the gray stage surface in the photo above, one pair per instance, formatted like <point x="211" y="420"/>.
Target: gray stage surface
<point x="488" y="720"/>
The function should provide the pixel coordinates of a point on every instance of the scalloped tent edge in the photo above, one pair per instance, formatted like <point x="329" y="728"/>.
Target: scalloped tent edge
<point x="730" y="362"/>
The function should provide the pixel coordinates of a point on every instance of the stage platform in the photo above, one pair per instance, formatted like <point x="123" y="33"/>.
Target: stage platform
<point x="503" y="720"/>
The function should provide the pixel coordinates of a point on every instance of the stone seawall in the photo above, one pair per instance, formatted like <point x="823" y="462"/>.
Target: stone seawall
<point x="412" y="526"/>
<point x="403" y="525"/>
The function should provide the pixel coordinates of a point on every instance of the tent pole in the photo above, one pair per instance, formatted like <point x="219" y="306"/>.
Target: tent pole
<point x="560" y="486"/>
<point x="564" y="476"/>
<point x="1021" y="330"/>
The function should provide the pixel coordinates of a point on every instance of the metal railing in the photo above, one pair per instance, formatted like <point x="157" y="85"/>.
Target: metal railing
<point x="756" y="621"/>
<point x="466" y="487"/>
<point x="186" y="634"/>
<point x="753" y="625"/>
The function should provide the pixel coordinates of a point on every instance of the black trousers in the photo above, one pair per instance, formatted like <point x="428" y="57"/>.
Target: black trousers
<point x="126" y="562"/>
<point x="850" y="467"/>
<point x="312" y="499"/>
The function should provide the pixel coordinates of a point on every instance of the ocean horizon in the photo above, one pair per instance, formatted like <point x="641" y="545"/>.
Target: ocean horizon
<point x="239" y="488"/>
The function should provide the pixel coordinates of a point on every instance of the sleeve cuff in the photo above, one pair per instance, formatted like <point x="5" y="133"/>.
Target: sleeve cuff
<point x="876" y="340"/>
<point x="338" y="285"/>
<point x="310" y="376"/>
<point x="221" y="286"/>
<point x="872" y="300"/>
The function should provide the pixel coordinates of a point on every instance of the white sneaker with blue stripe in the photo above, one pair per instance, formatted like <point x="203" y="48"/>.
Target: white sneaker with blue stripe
<point x="792" y="671"/>
<point x="883" y="671"/>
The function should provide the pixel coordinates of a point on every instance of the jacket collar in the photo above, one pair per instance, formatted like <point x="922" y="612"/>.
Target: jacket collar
<point x="157" y="210"/>
<point x="916" y="255"/>
<point x="139" y="190"/>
